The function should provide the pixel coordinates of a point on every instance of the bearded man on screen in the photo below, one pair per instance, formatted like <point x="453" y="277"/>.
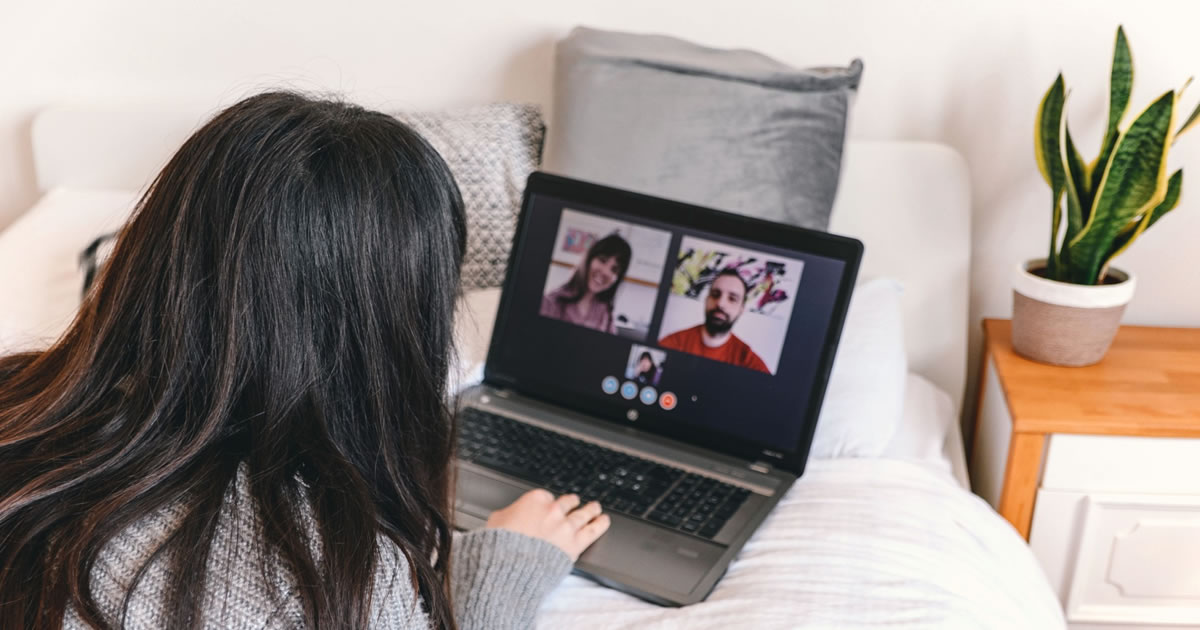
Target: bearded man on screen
<point x="714" y="339"/>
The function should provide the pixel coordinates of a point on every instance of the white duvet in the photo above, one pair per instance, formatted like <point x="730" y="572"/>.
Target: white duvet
<point x="856" y="543"/>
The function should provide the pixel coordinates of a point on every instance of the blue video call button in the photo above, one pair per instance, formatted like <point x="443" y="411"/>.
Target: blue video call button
<point x="629" y="390"/>
<point x="649" y="395"/>
<point x="609" y="385"/>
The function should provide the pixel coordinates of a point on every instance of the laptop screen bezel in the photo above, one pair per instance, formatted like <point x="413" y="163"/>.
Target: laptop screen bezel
<point x="847" y="250"/>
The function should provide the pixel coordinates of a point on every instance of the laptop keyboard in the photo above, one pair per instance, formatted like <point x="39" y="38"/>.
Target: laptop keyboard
<point x="621" y="483"/>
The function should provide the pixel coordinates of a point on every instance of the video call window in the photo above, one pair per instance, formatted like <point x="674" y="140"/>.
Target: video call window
<point x="730" y="304"/>
<point x="604" y="274"/>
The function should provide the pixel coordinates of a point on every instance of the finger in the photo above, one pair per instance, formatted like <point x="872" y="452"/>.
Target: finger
<point x="537" y="496"/>
<point x="567" y="502"/>
<point x="593" y="530"/>
<point x="584" y="515"/>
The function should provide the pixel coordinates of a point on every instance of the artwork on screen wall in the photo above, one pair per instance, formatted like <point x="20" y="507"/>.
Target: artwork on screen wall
<point x="767" y="279"/>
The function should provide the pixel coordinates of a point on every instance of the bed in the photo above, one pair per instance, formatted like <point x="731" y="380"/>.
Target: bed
<point x="895" y="540"/>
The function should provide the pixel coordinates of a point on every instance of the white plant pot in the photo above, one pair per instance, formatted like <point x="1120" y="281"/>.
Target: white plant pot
<point x="1067" y="324"/>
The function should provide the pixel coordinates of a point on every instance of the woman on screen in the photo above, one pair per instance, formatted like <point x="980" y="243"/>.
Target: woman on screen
<point x="587" y="298"/>
<point x="647" y="370"/>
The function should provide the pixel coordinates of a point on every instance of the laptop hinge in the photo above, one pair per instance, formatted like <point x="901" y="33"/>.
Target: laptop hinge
<point x="760" y="467"/>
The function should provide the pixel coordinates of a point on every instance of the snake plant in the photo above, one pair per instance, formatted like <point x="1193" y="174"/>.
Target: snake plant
<point x="1111" y="200"/>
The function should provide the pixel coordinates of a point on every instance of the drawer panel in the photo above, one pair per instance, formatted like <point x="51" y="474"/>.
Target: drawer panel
<point x="1138" y="561"/>
<point x="1103" y="463"/>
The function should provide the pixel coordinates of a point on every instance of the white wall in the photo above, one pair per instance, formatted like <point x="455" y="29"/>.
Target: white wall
<point x="968" y="74"/>
<point x="648" y="246"/>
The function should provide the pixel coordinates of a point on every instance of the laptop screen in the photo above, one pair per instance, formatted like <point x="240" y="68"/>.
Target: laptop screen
<point x="678" y="320"/>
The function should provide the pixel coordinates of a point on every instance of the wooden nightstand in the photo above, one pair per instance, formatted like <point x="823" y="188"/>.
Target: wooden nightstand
<point x="1099" y="467"/>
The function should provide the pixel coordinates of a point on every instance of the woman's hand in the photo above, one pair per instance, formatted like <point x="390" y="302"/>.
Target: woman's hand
<point x="561" y="522"/>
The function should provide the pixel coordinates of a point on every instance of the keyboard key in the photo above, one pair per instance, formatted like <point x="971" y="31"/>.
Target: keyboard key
<point x="665" y="519"/>
<point x="496" y="464"/>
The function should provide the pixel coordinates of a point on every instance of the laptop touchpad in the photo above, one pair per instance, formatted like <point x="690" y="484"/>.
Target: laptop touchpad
<point x="480" y="495"/>
<point x="638" y="551"/>
<point x="643" y="553"/>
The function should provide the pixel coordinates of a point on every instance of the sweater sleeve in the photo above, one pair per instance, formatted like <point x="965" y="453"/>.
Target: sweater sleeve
<point x="499" y="578"/>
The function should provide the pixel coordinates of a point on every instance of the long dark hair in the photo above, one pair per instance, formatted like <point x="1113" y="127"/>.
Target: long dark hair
<point x="653" y="366"/>
<point x="282" y="301"/>
<point x="611" y="246"/>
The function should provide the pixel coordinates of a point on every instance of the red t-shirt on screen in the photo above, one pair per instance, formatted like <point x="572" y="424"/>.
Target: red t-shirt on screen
<point x="733" y="351"/>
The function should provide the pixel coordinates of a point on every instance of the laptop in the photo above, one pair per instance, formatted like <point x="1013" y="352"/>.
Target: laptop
<point x="665" y="359"/>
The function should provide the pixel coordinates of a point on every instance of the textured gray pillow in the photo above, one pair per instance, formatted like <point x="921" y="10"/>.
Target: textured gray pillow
<point x="732" y="129"/>
<point x="491" y="149"/>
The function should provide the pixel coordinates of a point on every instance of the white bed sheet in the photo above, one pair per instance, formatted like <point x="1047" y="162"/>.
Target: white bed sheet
<point x="856" y="543"/>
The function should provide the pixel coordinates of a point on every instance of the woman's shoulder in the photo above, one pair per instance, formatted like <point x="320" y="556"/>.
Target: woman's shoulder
<point x="394" y="599"/>
<point x="136" y="563"/>
<point x="238" y="592"/>
<point x="121" y="560"/>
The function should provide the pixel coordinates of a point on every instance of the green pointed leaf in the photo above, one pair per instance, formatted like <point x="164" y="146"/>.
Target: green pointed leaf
<point x="1096" y="172"/>
<point x="1079" y="196"/>
<point x="1047" y="143"/>
<point x="1046" y="137"/>
<point x="1174" y="192"/>
<point x="1191" y="121"/>
<point x="1120" y="85"/>
<point x="1133" y="183"/>
<point x="1135" y="228"/>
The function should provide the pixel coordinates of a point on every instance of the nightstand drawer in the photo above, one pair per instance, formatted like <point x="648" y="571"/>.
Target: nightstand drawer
<point x="1121" y="558"/>
<point x="1107" y="463"/>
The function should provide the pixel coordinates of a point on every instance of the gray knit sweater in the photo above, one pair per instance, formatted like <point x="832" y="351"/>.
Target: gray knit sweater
<point x="498" y="578"/>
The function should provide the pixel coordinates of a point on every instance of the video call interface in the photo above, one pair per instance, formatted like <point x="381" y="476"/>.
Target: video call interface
<point x="685" y="326"/>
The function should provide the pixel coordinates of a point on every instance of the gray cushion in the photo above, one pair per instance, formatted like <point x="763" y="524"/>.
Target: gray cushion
<point x="491" y="149"/>
<point x="732" y="129"/>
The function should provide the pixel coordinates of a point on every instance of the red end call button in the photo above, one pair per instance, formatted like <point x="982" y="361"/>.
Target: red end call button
<point x="668" y="400"/>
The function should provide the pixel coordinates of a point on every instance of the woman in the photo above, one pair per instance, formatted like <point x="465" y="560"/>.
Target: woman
<point x="246" y="425"/>
<point x="646" y="370"/>
<point x="587" y="298"/>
